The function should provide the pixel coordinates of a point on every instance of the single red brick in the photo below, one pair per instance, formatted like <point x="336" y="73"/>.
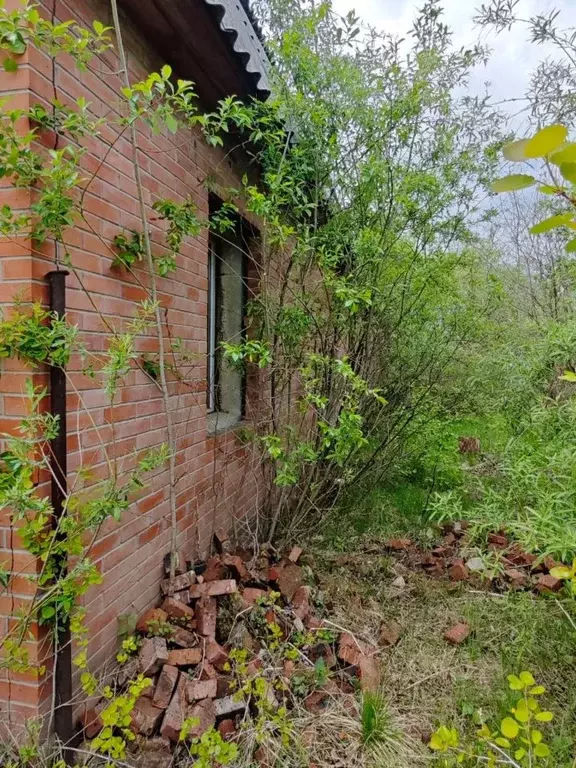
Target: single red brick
<point x="206" y="614"/>
<point x="301" y="602"/>
<point x="547" y="583"/>
<point x="176" y="713"/>
<point x="370" y="673"/>
<point x="156" y="615"/>
<point x="213" y="588"/>
<point x="351" y="650"/>
<point x="185" y="657"/>
<point x="515" y="577"/>
<point x="145" y="717"/>
<point x="273" y="573"/>
<point x="227" y="729"/>
<point x="165" y="686"/>
<point x="205" y="713"/>
<point x="177" y="610"/>
<point x="208" y="672"/>
<point x="458" y="572"/>
<point x="498" y="540"/>
<point x="457" y="634"/>
<point x="237" y="565"/>
<point x="398" y="545"/>
<point x="289" y="580"/>
<point x="216" y="655"/>
<point x="182" y="637"/>
<point x="215" y="570"/>
<point x="251" y="594"/>
<point x="197" y="690"/>
<point x="153" y="655"/>
<point x="178" y="583"/>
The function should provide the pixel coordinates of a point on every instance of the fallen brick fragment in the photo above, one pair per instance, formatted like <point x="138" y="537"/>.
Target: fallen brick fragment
<point x="153" y="655"/>
<point x="227" y="729"/>
<point x="516" y="577"/>
<point x="185" y="657"/>
<point x="458" y="572"/>
<point x="228" y="706"/>
<point x="251" y="595"/>
<point x="208" y="672"/>
<point x="315" y="702"/>
<point x="215" y="569"/>
<point x="398" y="545"/>
<point x="236" y="564"/>
<point x="91" y="723"/>
<point x="182" y="637"/>
<point x="289" y="580"/>
<point x="457" y="634"/>
<point x="370" y="674"/>
<point x="213" y="588"/>
<point x="196" y="690"/>
<point x="216" y="655"/>
<point x="390" y="634"/>
<point x="273" y="573"/>
<point x="295" y="554"/>
<point x="498" y="540"/>
<point x="178" y="583"/>
<point x="547" y="583"/>
<point x="165" y="686"/>
<point x="152" y="615"/>
<point x="301" y="602"/>
<point x="145" y="717"/>
<point x="176" y="713"/>
<point x="352" y="650"/>
<point x="176" y="609"/>
<point x="206" y="615"/>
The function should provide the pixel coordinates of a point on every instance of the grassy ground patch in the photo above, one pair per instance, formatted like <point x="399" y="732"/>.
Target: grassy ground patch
<point x="427" y="681"/>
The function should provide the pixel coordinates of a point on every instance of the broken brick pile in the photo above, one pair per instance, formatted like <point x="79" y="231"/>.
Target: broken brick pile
<point x="205" y="612"/>
<point x="518" y="570"/>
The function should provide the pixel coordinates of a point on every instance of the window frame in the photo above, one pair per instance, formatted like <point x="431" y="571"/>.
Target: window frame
<point x="214" y="358"/>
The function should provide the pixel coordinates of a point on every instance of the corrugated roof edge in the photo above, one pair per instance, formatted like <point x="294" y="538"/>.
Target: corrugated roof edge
<point x="236" y="23"/>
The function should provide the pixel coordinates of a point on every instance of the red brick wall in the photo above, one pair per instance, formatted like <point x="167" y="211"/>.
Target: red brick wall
<point x="218" y="478"/>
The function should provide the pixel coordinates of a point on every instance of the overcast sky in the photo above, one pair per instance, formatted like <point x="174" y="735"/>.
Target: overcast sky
<point x="513" y="56"/>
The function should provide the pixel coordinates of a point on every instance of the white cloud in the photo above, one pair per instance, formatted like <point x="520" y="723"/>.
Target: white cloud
<point x="513" y="56"/>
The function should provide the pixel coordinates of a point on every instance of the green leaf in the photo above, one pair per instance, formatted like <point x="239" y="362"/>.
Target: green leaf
<point x="520" y="753"/>
<point x="47" y="611"/>
<point x="515" y="683"/>
<point x="566" y="376"/>
<point x="512" y="183"/>
<point x="527" y="678"/>
<point x="544" y="717"/>
<point x="502" y="742"/>
<point x="571" y="245"/>
<point x="547" y="189"/>
<point x="566" y="154"/>
<point x="536" y="736"/>
<point x="509" y="728"/>
<point x="538" y="690"/>
<point x="562" y="571"/>
<point x="10" y="65"/>
<point x="541" y="750"/>
<point x="568" y="170"/>
<point x="166" y="71"/>
<point x="559" y="220"/>
<point x="172" y="123"/>
<point x="545" y="141"/>
<point x="515" y="150"/>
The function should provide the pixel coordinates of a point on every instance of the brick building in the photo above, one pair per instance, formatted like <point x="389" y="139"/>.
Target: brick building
<point x="213" y="43"/>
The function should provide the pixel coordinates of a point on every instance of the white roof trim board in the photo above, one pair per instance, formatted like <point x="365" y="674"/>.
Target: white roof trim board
<point x="236" y="23"/>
